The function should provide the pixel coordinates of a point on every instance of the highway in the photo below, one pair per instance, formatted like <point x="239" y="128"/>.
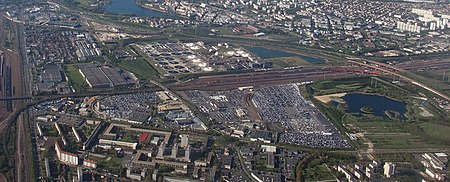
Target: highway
<point x="15" y="98"/>
<point x="385" y="70"/>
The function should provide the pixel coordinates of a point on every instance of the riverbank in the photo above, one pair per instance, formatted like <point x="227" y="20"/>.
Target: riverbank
<point x="331" y="97"/>
<point x="146" y="6"/>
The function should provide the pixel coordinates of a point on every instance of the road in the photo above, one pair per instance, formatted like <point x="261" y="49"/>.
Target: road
<point x="414" y="82"/>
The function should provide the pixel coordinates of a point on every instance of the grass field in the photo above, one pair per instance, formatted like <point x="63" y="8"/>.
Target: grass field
<point x="439" y="79"/>
<point x="415" y="132"/>
<point x="318" y="173"/>
<point x="317" y="170"/>
<point x="339" y="86"/>
<point x="435" y="130"/>
<point x="377" y="126"/>
<point x="75" y="78"/>
<point x="141" y="68"/>
<point x="385" y="134"/>
<point x="399" y="141"/>
<point x="289" y="62"/>
<point x="113" y="164"/>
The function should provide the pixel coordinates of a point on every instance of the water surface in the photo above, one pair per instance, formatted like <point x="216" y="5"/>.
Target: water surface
<point x="379" y="104"/>
<point x="270" y="53"/>
<point x="129" y="7"/>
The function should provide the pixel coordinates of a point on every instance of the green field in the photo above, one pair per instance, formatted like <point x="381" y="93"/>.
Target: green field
<point x="399" y="141"/>
<point x="377" y="126"/>
<point x="289" y="62"/>
<point x="389" y="134"/>
<point x="437" y="131"/>
<point x="317" y="171"/>
<point x="75" y="78"/>
<point x="340" y="86"/>
<point x="141" y="68"/>
<point x="113" y="164"/>
<point x="413" y="132"/>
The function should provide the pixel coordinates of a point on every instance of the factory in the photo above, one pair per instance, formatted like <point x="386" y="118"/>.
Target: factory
<point x="105" y="77"/>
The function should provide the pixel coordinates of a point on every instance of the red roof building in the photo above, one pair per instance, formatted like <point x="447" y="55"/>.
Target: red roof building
<point x="143" y="137"/>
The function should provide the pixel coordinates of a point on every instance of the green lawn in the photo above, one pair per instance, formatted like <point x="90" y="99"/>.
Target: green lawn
<point x="415" y="132"/>
<point x="317" y="171"/>
<point x="339" y="86"/>
<point x="289" y="62"/>
<point x="141" y="68"/>
<point x="394" y="134"/>
<point x="376" y="126"/>
<point x="75" y="78"/>
<point x="113" y="164"/>
<point x="435" y="130"/>
<point x="400" y="141"/>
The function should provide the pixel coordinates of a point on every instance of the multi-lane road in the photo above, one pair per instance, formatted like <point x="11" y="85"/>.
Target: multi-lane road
<point x="395" y="71"/>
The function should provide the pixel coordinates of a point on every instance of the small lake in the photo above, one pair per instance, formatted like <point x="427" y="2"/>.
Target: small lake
<point x="129" y="7"/>
<point x="379" y="104"/>
<point x="270" y="53"/>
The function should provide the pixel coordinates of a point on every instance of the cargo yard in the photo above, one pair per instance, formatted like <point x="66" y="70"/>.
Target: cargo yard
<point x="11" y="80"/>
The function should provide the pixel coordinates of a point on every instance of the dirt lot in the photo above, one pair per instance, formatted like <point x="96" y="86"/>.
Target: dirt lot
<point x="329" y="98"/>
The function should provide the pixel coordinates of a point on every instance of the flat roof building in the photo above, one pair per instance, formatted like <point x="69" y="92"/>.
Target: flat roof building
<point x="104" y="77"/>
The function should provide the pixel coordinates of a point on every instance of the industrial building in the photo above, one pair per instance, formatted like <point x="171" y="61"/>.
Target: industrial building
<point x="104" y="77"/>
<point x="52" y="73"/>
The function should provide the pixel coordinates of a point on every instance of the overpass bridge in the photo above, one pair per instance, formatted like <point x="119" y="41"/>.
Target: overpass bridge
<point x="16" y="98"/>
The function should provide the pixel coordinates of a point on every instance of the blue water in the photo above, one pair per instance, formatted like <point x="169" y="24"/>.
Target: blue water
<point x="129" y="7"/>
<point x="379" y="104"/>
<point x="270" y="53"/>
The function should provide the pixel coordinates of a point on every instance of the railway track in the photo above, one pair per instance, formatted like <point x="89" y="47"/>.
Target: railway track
<point x="259" y="79"/>
<point x="417" y="65"/>
<point x="414" y="82"/>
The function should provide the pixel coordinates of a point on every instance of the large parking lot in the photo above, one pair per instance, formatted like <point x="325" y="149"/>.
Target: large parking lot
<point x="305" y="124"/>
<point x="128" y="106"/>
<point x="282" y="105"/>
<point x="220" y="106"/>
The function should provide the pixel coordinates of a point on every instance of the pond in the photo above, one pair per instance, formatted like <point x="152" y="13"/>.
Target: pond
<point x="377" y="105"/>
<point x="129" y="7"/>
<point x="270" y="53"/>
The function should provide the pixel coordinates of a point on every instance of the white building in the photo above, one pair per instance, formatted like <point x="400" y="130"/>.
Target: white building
<point x="77" y="136"/>
<point x="66" y="157"/>
<point x="408" y="27"/>
<point x="269" y="148"/>
<point x="434" y="175"/>
<point x="90" y="163"/>
<point x="118" y="143"/>
<point x="389" y="169"/>
<point x="184" y="140"/>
